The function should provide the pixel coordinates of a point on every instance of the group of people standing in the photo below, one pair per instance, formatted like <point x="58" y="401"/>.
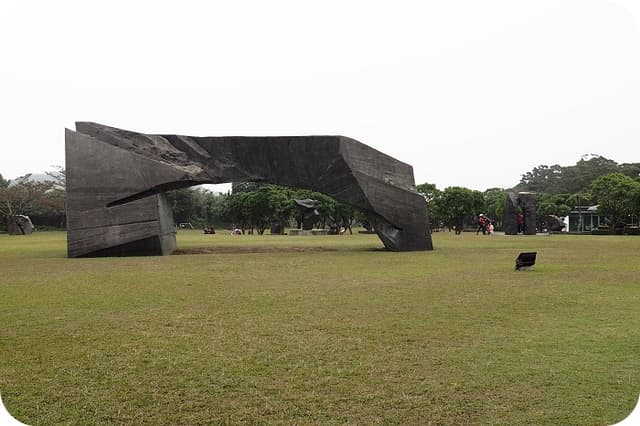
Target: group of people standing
<point x="485" y="225"/>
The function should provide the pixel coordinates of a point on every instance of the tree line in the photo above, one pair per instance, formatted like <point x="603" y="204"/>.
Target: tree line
<point x="593" y="180"/>
<point x="253" y="207"/>
<point x="615" y="188"/>
<point x="43" y="201"/>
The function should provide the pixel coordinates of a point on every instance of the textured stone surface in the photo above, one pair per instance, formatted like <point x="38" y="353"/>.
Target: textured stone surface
<point x="19" y="224"/>
<point x="116" y="181"/>
<point x="526" y="201"/>
<point x="308" y="211"/>
<point x="510" y="223"/>
<point x="555" y="223"/>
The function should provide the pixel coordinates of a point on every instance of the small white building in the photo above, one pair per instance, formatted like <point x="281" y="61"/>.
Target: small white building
<point x="584" y="219"/>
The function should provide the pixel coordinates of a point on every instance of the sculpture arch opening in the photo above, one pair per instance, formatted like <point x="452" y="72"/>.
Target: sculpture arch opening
<point x="116" y="181"/>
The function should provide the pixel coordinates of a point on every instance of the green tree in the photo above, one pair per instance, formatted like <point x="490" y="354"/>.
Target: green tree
<point x="198" y="206"/>
<point x="631" y="169"/>
<point x="541" y="179"/>
<point x="458" y="204"/>
<point x="246" y="186"/>
<point x="237" y="211"/>
<point x="213" y="209"/>
<point x="182" y="202"/>
<point x="580" y="199"/>
<point x="281" y="204"/>
<point x="551" y="204"/>
<point x="347" y="215"/>
<point x="617" y="195"/>
<point x="267" y="203"/>
<point x="257" y="206"/>
<point x="431" y="195"/>
<point x="327" y="210"/>
<point x="573" y="179"/>
<point x="578" y="178"/>
<point x="428" y="191"/>
<point x="494" y="201"/>
<point x="258" y="209"/>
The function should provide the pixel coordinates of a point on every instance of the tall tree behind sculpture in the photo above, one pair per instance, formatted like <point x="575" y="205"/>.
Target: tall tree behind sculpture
<point x="116" y="179"/>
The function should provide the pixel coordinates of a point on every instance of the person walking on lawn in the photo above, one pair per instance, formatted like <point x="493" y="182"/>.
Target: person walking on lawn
<point x="482" y="224"/>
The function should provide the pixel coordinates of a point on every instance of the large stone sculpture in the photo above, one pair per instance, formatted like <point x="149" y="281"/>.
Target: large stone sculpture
<point x="116" y="181"/>
<point x="526" y="202"/>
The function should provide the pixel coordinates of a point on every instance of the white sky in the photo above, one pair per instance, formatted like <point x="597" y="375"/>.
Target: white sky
<point x="471" y="93"/>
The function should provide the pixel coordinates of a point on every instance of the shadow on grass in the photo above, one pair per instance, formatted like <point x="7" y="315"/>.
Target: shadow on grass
<point x="248" y="250"/>
<point x="273" y="249"/>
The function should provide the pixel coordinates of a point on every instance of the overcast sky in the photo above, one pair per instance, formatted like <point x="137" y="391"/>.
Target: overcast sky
<point x="471" y="93"/>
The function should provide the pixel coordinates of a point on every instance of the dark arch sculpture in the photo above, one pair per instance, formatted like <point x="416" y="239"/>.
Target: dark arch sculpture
<point x="116" y="181"/>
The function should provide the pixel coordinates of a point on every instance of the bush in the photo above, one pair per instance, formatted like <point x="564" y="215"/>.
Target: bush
<point x="601" y="230"/>
<point x="632" y="230"/>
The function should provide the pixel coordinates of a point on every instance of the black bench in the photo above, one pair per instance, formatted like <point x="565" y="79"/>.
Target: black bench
<point x="526" y="260"/>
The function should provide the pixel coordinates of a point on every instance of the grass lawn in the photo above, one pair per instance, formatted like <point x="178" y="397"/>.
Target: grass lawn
<point x="322" y="330"/>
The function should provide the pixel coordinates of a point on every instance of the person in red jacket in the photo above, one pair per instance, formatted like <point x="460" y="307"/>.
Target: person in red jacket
<point x="520" y="220"/>
<point x="482" y="224"/>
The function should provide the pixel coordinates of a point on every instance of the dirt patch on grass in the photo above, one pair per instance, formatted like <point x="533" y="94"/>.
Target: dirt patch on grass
<point x="240" y="250"/>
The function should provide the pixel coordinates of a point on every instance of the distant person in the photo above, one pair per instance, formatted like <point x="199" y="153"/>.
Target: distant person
<point x="490" y="227"/>
<point x="520" y="220"/>
<point x="482" y="224"/>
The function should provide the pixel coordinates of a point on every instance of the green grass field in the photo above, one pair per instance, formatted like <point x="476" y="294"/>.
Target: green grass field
<point x="322" y="330"/>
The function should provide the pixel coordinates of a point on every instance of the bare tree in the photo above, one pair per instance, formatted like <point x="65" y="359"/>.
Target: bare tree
<point x="22" y="195"/>
<point x="59" y="177"/>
